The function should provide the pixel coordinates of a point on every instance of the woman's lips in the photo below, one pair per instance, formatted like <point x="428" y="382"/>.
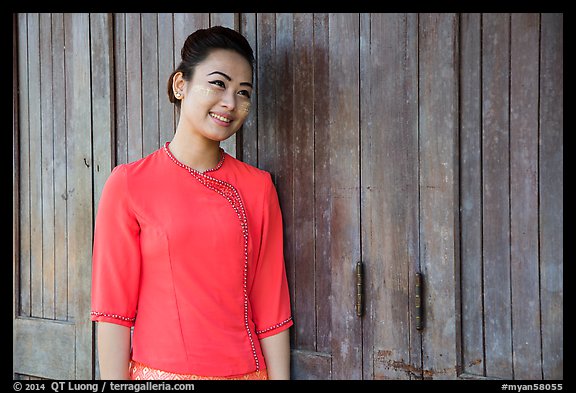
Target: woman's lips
<point x="220" y="119"/>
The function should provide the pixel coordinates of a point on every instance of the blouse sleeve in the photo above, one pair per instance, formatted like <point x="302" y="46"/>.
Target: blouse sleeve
<point x="116" y="255"/>
<point x="269" y="297"/>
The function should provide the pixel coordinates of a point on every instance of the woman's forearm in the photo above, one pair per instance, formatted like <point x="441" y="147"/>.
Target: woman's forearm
<point x="113" y="350"/>
<point x="276" y="350"/>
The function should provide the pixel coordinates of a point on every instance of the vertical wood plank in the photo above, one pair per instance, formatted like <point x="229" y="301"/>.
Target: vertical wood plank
<point x="344" y="195"/>
<point x="551" y="172"/>
<point x="247" y="136"/>
<point x="438" y="130"/>
<point x="102" y="78"/>
<point x="134" y="87"/>
<point x="389" y="158"/>
<point x="35" y="142"/>
<point x="267" y="82"/>
<point x="24" y="260"/>
<point x="284" y="141"/>
<point x="150" y="83"/>
<point x="47" y="148"/>
<point x="120" y="89"/>
<point x="322" y="176"/>
<point x="166" y="49"/>
<point x="471" y="194"/>
<point x="496" y="194"/>
<point x="303" y="283"/>
<point x="524" y="53"/>
<point x="228" y="20"/>
<point x="60" y="184"/>
<point x="79" y="182"/>
<point x="15" y="172"/>
<point x="184" y="25"/>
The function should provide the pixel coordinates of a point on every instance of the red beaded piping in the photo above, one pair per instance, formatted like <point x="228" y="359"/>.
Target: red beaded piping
<point x="233" y="197"/>
<point x="274" y="326"/>
<point x="116" y="316"/>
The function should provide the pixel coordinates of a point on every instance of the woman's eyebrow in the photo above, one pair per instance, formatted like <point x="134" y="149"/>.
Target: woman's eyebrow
<point x="227" y="77"/>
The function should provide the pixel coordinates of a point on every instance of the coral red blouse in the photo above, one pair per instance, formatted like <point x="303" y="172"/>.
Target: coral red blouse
<point x="194" y="261"/>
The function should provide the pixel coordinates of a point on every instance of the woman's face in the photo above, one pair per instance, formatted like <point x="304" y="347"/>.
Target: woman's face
<point x="216" y="101"/>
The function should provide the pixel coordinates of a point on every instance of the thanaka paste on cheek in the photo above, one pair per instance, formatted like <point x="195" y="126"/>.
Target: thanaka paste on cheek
<point x="244" y="107"/>
<point x="201" y="90"/>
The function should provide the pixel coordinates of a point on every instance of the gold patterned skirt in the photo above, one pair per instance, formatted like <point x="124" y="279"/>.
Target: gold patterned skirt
<point x="140" y="371"/>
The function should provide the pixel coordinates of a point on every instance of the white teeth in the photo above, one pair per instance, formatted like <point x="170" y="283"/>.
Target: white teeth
<point x="221" y="118"/>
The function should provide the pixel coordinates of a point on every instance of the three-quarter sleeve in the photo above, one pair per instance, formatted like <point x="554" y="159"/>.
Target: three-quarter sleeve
<point x="269" y="296"/>
<point x="116" y="254"/>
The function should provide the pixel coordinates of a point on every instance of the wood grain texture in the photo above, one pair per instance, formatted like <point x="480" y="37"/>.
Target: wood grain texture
<point x="438" y="130"/>
<point x="414" y="142"/>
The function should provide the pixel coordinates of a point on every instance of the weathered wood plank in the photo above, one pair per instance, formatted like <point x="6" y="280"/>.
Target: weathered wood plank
<point x="228" y="20"/>
<point x="344" y="161"/>
<point x="47" y="158"/>
<point x="35" y="124"/>
<point x="551" y="194"/>
<point x="101" y="50"/>
<point x="267" y="82"/>
<point x="166" y="49"/>
<point x="15" y="171"/>
<point x="303" y="241"/>
<point x="322" y="177"/>
<point x="151" y="83"/>
<point x="471" y="194"/>
<point x="24" y="260"/>
<point x="79" y="182"/>
<point x="284" y="141"/>
<point x="45" y="348"/>
<point x="120" y="89"/>
<point x="389" y="159"/>
<point x="496" y="194"/>
<point x="524" y="53"/>
<point x="247" y="136"/>
<point x="438" y="130"/>
<point x="60" y="186"/>
<point x="134" y="82"/>
<point x="310" y="365"/>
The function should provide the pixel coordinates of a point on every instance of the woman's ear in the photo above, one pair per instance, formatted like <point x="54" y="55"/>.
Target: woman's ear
<point x="178" y="84"/>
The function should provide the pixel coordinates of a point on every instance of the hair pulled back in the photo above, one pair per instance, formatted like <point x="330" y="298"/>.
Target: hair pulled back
<point x="198" y="46"/>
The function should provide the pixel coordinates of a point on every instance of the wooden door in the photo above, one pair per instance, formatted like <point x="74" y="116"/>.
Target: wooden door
<point x="352" y="164"/>
<point x="368" y="124"/>
<point x="53" y="204"/>
<point x="307" y="137"/>
<point x="511" y="195"/>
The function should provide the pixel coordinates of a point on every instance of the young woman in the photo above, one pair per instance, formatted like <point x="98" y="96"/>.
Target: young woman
<point x="188" y="240"/>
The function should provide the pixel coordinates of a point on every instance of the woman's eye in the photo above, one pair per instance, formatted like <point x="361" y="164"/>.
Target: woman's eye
<point x="218" y="83"/>
<point x="245" y="93"/>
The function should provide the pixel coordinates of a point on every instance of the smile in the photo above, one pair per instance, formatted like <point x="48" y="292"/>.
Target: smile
<point x="221" y="118"/>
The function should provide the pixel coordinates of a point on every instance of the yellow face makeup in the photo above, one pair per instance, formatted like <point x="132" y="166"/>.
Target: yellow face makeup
<point x="244" y="107"/>
<point x="204" y="91"/>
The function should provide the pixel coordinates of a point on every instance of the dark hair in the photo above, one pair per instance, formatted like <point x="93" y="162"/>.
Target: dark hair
<point x="198" y="46"/>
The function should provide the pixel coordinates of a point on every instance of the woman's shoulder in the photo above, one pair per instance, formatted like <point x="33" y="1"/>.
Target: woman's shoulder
<point x="126" y="175"/>
<point x="248" y="172"/>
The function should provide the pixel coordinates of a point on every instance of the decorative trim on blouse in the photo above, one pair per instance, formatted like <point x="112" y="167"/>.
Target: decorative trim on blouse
<point x="274" y="326"/>
<point x="233" y="197"/>
<point x="115" y="316"/>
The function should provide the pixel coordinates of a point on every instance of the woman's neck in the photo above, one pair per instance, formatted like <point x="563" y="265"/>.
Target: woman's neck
<point x="196" y="152"/>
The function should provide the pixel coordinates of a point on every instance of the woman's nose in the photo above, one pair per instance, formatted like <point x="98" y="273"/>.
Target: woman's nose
<point x="229" y="100"/>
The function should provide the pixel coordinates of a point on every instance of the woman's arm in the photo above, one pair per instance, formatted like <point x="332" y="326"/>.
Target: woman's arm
<point x="276" y="350"/>
<point x="113" y="350"/>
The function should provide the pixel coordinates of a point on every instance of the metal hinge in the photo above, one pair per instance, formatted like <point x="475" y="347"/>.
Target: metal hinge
<point x="359" y="289"/>
<point x="418" y="309"/>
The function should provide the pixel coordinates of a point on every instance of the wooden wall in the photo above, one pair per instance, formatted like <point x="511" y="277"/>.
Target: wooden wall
<point x="415" y="143"/>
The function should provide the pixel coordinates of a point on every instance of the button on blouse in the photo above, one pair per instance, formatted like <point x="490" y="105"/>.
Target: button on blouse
<point x="193" y="261"/>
